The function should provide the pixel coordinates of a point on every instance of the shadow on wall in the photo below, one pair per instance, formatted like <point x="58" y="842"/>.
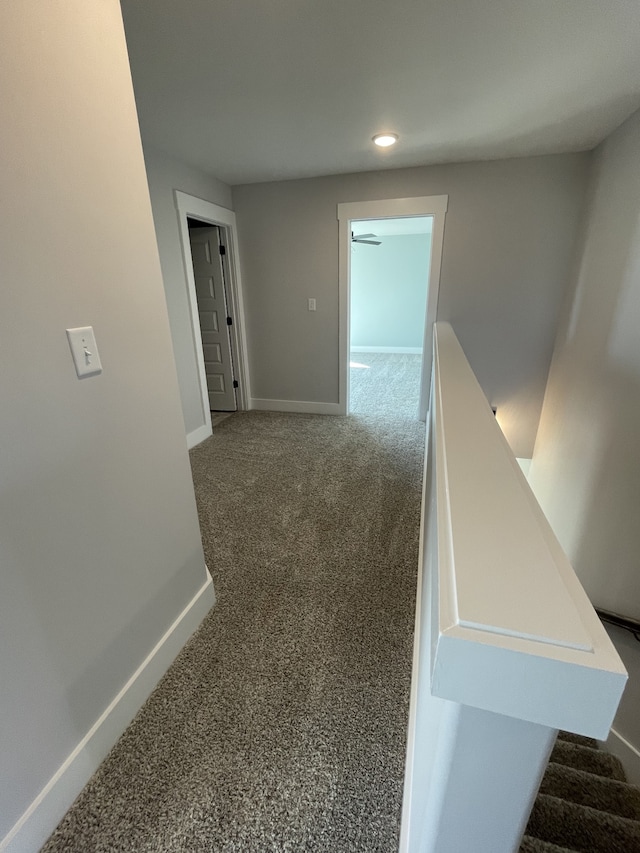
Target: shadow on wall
<point x="601" y="363"/>
<point x="606" y="553"/>
<point x="586" y="467"/>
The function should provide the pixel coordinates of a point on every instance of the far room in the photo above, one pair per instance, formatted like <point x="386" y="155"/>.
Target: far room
<point x="390" y="261"/>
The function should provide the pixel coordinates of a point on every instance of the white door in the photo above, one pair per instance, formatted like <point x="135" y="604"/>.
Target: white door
<point x="212" y="309"/>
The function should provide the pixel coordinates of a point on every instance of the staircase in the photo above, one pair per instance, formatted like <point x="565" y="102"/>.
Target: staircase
<point x="584" y="803"/>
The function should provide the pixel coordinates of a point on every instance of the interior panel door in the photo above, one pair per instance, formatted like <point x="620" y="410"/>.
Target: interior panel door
<point x="212" y="310"/>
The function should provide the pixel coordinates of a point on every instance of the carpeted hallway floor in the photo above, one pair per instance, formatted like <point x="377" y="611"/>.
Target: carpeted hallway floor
<point x="384" y="384"/>
<point x="281" y="726"/>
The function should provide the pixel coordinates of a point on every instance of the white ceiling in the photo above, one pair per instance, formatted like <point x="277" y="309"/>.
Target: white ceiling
<point x="256" y="90"/>
<point x="399" y="226"/>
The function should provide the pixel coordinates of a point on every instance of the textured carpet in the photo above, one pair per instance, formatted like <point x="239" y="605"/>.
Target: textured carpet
<point x="384" y="384"/>
<point x="584" y="803"/>
<point x="281" y="726"/>
<point x="218" y="417"/>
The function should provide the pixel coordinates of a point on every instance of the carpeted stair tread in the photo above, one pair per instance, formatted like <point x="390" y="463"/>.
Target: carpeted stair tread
<point x="586" y="789"/>
<point x="536" y="845"/>
<point x="582" y="828"/>
<point x="589" y="760"/>
<point x="581" y="740"/>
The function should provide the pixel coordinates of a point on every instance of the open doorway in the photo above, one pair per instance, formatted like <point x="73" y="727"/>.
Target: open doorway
<point x="209" y="243"/>
<point x="390" y="263"/>
<point x="361" y="214"/>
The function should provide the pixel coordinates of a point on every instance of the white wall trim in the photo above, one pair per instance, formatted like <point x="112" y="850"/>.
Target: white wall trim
<point x="435" y="206"/>
<point x="387" y="208"/>
<point x="626" y="752"/>
<point x="400" y="350"/>
<point x="43" y="815"/>
<point x="407" y="796"/>
<point x="300" y="406"/>
<point x="538" y="645"/>
<point x="196" y="436"/>
<point x="507" y="647"/>
<point x="206" y="211"/>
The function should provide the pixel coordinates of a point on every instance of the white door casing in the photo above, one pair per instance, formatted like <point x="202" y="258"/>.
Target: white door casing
<point x="389" y="208"/>
<point x="212" y="311"/>
<point x="191" y="206"/>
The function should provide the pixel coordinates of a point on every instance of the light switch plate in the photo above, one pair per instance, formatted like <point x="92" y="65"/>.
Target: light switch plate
<point x="84" y="351"/>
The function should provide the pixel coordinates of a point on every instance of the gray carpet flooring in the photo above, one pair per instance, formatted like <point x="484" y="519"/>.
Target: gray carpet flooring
<point x="281" y="726"/>
<point x="384" y="384"/>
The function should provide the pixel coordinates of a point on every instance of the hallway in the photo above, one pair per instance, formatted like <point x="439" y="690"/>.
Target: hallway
<point x="281" y="726"/>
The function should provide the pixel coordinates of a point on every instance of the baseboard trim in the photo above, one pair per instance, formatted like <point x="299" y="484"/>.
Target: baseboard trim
<point x="297" y="406"/>
<point x="627" y="753"/>
<point x="410" y="350"/>
<point x="198" y="435"/>
<point x="43" y="815"/>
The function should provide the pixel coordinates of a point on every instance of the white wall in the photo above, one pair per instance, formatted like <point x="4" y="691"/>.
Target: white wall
<point x="586" y="466"/>
<point x="389" y="291"/>
<point x="99" y="543"/>
<point x="165" y="175"/>
<point x="509" y="233"/>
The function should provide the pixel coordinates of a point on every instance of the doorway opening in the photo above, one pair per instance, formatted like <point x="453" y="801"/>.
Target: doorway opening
<point x="209" y="244"/>
<point x="355" y="219"/>
<point x="389" y="283"/>
<point x="210" y="273"/>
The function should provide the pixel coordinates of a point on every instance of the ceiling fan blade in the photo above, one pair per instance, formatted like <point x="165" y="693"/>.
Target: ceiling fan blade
<point x="364" y="236"/>
<point x="368" y="242"/>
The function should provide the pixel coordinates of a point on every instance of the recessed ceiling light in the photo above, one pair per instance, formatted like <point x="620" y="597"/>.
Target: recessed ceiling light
<point x="384" y="140"/>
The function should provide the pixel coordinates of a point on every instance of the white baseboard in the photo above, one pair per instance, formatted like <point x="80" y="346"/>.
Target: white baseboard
<point x="410" y="350"/>
<point x="627" y="753"/>
<point x="43" y="815"/>
<point x="298" y="406"/>
<point x="197" y="435"/>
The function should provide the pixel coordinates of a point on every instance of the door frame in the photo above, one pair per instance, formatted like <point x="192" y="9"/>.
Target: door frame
<point x="197" y="208"/>
<point x="390" y="208"/>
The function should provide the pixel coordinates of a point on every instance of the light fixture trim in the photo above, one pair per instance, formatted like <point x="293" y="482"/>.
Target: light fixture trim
<point x="385" y="140"/>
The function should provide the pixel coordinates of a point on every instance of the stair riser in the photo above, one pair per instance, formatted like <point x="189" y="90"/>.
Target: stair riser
<point x="584" y="804"/>
<point x="582" y="828"/>
<point x="589" y="760"/>
<point x="586" y="789"/>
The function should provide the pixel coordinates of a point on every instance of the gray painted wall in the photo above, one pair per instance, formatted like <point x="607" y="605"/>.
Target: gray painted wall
<point x="586" y="466"/>
<point x="99" y="542"/>
<point x="166" y="175"/>
<point x="508" y="241"/>
<point x="389" y="291"/>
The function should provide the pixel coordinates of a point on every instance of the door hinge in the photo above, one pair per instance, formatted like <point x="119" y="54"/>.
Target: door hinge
<point x="229" y="321"/>
<point x="235" y="383"/>
<point x="223" y="250"/>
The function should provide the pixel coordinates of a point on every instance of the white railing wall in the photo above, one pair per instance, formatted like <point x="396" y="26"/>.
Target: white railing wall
<point x="507" y="646"/>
